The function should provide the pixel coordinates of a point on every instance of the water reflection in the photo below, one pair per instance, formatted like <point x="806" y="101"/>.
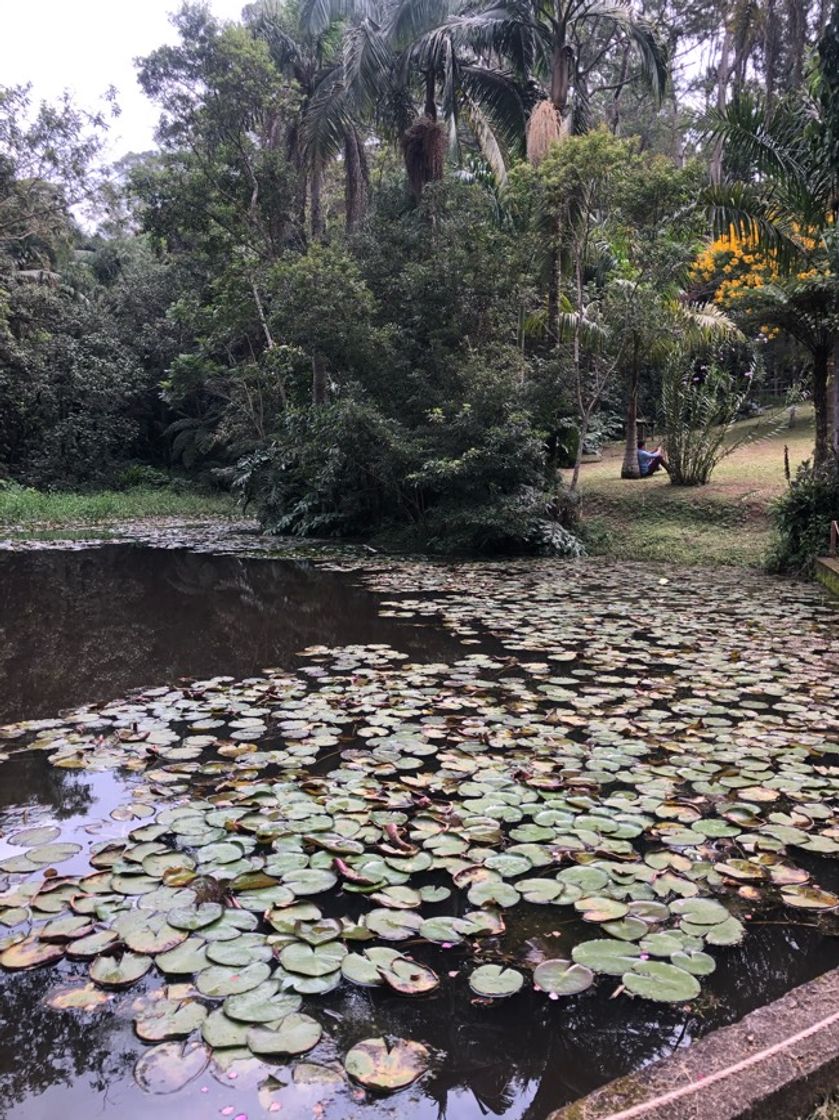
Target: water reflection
<point x="89" y="625"/>
<point x="518" y="1060"/>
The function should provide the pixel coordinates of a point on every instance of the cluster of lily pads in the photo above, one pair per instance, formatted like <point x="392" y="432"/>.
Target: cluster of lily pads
<point x="647" y="778"/>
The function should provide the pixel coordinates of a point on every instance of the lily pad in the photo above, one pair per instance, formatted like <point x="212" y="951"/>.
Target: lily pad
<point x="219" y="981"/>
<point x="493" y="981"/>
<point x="168" y="1018"/>
<point x="296" y="1034"/>
<point x="385" y="1066"/>
<point x="120" y="971"/>
<point x="170" y="1066"/>
<point x="562" y="978"/>
<point x="664" y="983"/>
<point x="606" y="955"/>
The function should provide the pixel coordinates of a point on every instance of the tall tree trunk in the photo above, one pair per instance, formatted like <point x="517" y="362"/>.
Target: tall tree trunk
<point x="770" y="52"/>
<point x="613" y="112"/>
<point x="316" y="221"/>
<point x="821" y="377"/>
<point x="319" y="380"/>
<point x="356" y="179"/>
<point x="833" y="401"/>
<point x="796" y="42"/>
<point x="562" y="66"/>
<point x="723" y="74"/>
<point x="630" y="467"/>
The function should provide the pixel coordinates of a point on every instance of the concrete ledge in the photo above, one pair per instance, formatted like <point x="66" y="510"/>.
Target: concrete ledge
<point x="772" y="1065"/>
<point x="827" y="572"/>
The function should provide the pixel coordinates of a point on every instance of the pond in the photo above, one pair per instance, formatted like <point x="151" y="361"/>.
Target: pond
<point x="541" y="822"/>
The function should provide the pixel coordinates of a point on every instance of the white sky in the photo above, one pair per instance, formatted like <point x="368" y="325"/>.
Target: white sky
<point x="85" y="46"/>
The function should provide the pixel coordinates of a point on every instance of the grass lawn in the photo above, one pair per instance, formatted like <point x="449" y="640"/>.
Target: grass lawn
<point x="24" y="508"/>
<point x="725" y="522"/>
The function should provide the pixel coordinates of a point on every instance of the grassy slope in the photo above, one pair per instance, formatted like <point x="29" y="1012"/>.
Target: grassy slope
<point x="25" y="508"/>
<point x="725" y="522"/>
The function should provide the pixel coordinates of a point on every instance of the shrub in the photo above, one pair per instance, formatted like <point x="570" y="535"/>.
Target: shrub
<point x="802" y="518"/>
<point x="469" y="481"/>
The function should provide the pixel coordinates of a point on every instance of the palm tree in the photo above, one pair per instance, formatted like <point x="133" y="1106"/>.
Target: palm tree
<point x="404" y="69"/>
<point x="788" y="209"/>
<point x="558" y="44"/>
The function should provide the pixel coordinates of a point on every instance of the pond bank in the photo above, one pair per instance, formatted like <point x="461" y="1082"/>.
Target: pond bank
<point x="776" y="1062"/>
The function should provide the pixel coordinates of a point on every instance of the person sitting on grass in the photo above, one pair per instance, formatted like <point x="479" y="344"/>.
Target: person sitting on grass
<point x="650" y="461"/>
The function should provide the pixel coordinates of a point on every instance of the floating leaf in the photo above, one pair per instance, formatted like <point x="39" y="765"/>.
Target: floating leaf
<point x="219" y="981"/>
<point x="169" y="1019"/>
<point x="606" y="955"/>
<point x="313" y="960"/>
<point x="661" y="982"/>
<point x="386" y="1067"/>
<point x="493" y="981"/>
<point x="170" y="1066"/>
<point x="562" y="977"/>
<point x="409" y="978"/>
<point x="78" y="997"/>
<point x="120" y="971"/>
<point x="296" y="1034"/>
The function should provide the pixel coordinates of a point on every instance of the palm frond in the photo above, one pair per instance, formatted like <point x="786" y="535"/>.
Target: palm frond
<point x="652" y="53"/>
<point x="317" y="16"/>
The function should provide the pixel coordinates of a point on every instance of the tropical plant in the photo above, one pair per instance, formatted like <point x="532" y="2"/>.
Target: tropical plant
<point x="803" y="516"/>
<point x="788" y="205"/>
<point x="559" y="45"/>
<point x="700" y="404"/>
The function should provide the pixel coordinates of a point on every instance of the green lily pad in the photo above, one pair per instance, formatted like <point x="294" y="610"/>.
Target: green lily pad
<point x="167" y="1019"/>
<point x="313" y="960"/>
<point x="309" y="880"/>
<point x="606" y="955"/>
<point x="661" y="982"/>
<point x="35" y="837"/>
<point x="366" y="968"/>
<point x="393" y="925"/>
<point x="562" y="978"/>
<point x="410" y="978"/>
<point x="219" y="981"/>
<point x="385" y="1066"/>
<point x="170" y="1066"/>
<point x="493" y="981"/>
<point x="189" y="956"/>
<point x="120" y="971"/>
<point x="261" y="1005"/>
<point x="221" y="1032"/>
<point x="195" y="917"/>
<point x="296" y="1034"/>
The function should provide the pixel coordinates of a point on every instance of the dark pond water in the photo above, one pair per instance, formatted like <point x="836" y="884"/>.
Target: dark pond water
<point x="88" y="625"/>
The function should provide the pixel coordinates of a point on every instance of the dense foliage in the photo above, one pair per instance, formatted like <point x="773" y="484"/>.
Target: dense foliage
<point x="396" y="263"/>
<point x="803" y="517"/>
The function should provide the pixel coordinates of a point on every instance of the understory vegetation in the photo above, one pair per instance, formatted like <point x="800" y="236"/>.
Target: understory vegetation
<point x="396" y="269"/>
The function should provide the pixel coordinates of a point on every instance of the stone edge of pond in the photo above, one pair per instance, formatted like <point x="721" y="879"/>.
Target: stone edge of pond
<point x="827" y="573"/>
<point x="772" y="1065"/>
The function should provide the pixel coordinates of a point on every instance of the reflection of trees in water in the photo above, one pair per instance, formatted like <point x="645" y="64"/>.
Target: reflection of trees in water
<point x="91" y="624"/>
<point x="545" y="1053"/>
<point x="28" y="780"/>
<point x="41" y="1048"/>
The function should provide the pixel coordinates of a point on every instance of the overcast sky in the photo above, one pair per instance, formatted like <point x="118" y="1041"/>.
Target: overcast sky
<point x="86" y="46"/>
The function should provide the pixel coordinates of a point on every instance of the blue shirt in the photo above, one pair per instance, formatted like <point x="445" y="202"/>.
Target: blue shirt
<point x="645" y="461"/>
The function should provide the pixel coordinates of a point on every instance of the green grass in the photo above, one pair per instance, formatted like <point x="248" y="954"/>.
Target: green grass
<point x="725" y="522"/>
<point x="23" y="508"/>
